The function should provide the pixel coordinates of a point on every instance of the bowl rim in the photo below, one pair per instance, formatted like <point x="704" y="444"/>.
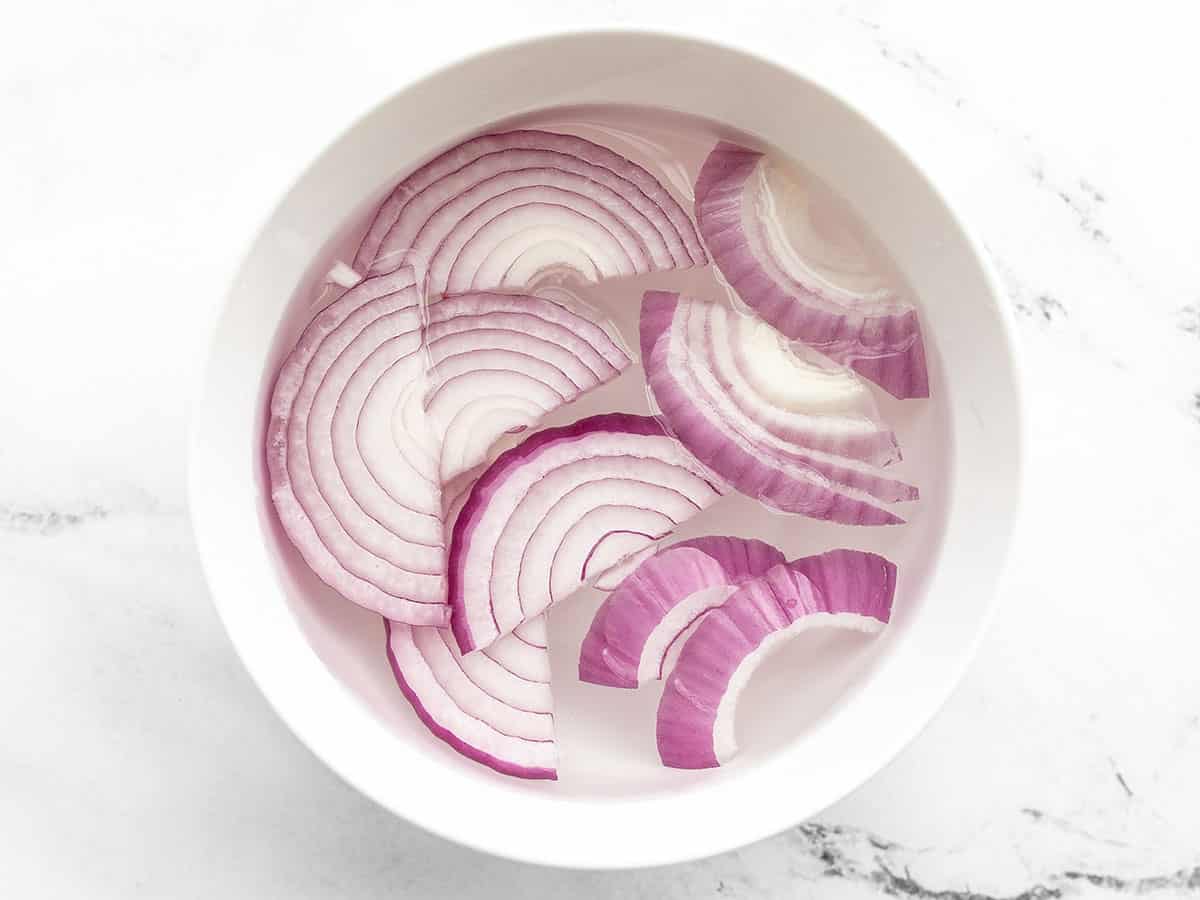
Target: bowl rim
<point x="766" y="826"/>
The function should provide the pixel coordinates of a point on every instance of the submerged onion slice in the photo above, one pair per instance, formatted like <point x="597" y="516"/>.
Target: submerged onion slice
<point x="499" y="362"/>
<point x="501" y="210"/>
<point x="362" y="509"/>
<point x="385" y="399"/>
<point x="640" y="627"/>
<point x="843" y="588"/>
<point x="804" y="269"/>
<point x="785" y="430"/>
<point x="560" y="509"/>
<point x="494" y="707"/>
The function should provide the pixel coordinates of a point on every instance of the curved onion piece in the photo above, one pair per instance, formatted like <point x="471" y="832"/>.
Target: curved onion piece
<point x="363" y="511"/>
<point x="500" y="210"/>
<point x="499" y="362"/>
<point x="639" y="627"/>
<point x="843" y="588"/>
<point x="383" y="400"/>
<point x="494" y="707"/>
<point x="774" y="425"/>
<point x="805" y="273"/>
<point x="559" y="509"/>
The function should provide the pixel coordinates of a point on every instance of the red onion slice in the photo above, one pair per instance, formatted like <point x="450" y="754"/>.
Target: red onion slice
<point x="555" y="510"/>
<point x="792" y="439"/>
<point x="383" y="400"/>
<point x="499" y="362"/>
<point x="500" y="210"/>
<point x="501" y="243"/>
<point x="842" y="588"/>
<point x="640" y="627"/>
<point x="366" y="341"/>
<point x="769" y="239"/>
<point x="493" y="707"/>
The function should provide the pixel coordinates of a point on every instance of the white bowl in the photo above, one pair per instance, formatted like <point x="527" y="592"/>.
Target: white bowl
<point x="320" y="662"/>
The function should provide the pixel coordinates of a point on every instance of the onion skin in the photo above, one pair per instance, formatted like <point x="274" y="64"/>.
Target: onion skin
<point x="495" y="583"/>
<point x="615" y="650"/>
<point x="883" y="346"/>
<point x="841" y="588"/>
<point x="460" y="217"/>
<point x="439" y="712"/>
<point x="703" y="414"/>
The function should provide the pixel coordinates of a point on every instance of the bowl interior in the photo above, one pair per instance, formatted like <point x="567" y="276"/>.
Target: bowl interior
<point x="819" y="719"/>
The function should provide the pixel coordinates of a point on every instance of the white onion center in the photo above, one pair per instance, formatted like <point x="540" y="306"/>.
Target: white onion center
<point x="809" y="234"/>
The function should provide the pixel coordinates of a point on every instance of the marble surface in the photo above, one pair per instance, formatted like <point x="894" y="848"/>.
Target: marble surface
<point x="142" y="144"/>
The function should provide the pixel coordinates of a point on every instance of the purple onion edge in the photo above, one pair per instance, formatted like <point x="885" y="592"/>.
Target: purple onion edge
<point x="504" y="767"/>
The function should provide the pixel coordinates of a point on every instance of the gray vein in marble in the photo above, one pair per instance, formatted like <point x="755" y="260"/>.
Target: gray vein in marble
<point x="1120" y="778"/>
<point x="1049" y="306"/>
<point x="1031" y="304"/>
<point x="1048" y="309"/>
<point x="49" y="518"/>
<point x="1057" y="822"/>
<point x="1082" y="198"/>
<point x="857" y="856"/>
<point x="1189" y="319"/>
<point x="923" y="71"/>
<point x="29" y="520"/>
<point x="1181" y="880"/>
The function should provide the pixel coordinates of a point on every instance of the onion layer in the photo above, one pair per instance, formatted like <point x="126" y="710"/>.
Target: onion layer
<point x="843" y="588"/>
<point x="382" y="400"/>
<point x="494" y="707"/>
<point x="640" y="627"/>
<point x="499" y="362"/>
<point x="557" y="511"/>
<point x="363" y="510"/>
<point x="500" y="210"/>
<point x="780" y="260"/>
<point x="779" y="428"/>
